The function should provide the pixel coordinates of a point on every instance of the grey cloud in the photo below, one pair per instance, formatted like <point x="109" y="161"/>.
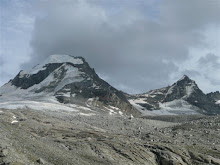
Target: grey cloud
<point x="211" y="60"/>
<point x="191" y="73"/>
<point x="137" y="52"/>
<point x="4" y="75"/>
<point x="211" y="64"/>
<point x="1" y="61"/>
<point x="190" y="14"/>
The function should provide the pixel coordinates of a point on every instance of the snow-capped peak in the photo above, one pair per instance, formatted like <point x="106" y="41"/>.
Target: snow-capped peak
<point x="52" y="59"/>
<point x="65" y="79"/>
<point x="62" y="58"/>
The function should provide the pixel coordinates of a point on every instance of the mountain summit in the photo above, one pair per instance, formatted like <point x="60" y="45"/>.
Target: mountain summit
<point x="183" y="97"/>
<point x="183" y="88"/>
<point x="69" y="80"/>
<point x="64" y="82"/>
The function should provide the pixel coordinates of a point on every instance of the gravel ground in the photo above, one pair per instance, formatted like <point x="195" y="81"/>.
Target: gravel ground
<point x="61" y="138"/>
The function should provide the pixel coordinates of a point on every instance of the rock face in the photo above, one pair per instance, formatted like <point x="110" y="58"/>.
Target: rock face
<point x="70" y="80"/>
<point x="188" y="90"/>
<point x="214" y="95"/>
<point x="183" y="94"/>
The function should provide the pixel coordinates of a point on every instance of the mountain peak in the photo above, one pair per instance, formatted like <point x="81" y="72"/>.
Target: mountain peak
<point x="185" y="78"/>
<point x="63" y="58"/>
<point x="182" y="89"/>
<point x="55" y="59"/>
<point x="69" y="80"/>
<point x="183" y="97"/>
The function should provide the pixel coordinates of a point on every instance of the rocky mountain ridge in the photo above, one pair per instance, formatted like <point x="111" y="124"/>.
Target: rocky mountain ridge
<point x="184" y="96"/>
<point x="215" y="96"/>
<point x="71" y="81"/>
<point x="67" y="82"/>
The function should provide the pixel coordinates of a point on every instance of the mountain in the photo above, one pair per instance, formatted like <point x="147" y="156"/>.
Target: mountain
<point x="215" y="96"/>
<point x="183" y="97"/>
<point x="68" y="83"/>
<point x="64" y="80"/>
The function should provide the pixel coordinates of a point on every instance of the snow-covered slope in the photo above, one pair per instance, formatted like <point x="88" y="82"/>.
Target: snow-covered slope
<point x="24" y="86"/>
<point x="64" y="81"/>
<point x="183" y="97"/>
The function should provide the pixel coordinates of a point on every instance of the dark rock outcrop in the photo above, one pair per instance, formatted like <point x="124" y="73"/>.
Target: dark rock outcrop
<point x="214" y="95"/>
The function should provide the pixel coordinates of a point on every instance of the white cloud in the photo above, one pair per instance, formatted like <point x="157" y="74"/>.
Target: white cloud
<point x="15" y="32"/>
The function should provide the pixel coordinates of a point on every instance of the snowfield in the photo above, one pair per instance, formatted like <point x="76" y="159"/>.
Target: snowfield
<point x="36" y="105"/>
<point x="176" y="107"/>
<point x="51" y="104"/>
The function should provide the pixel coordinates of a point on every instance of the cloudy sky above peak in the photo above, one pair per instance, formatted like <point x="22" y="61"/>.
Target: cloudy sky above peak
<point x="135" y="45"/>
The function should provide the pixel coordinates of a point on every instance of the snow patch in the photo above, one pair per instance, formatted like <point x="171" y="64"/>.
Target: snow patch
<point x="218" y="102"/>
<point x="136" y="102"/>
<point x="111" y="111"/>
<point x="86" y="114"/>
<point x="67" y="94"/>
<point x="160" y="93"/>
<point x="136" y="105"/>
<point x="120" y="113"/>
<point x="72" y="75"/>
<point x="113" y="107"/>
<point x="170" y="91"/>
<point x="156" y="113"/>
<point x="190" y="89"/>
<point x="178" y="107"/>
<point x="92" y="102"/>
<point x="14" y="121"/>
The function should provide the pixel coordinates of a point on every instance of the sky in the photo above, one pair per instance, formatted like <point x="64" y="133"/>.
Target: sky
<point x="135" y="45"/>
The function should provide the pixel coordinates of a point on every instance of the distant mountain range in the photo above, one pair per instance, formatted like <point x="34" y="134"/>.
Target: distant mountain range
<point x="183" y="97"/>
<point x="64" y="82"/>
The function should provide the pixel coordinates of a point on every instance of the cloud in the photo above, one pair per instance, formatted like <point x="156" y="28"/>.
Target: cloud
<point x="135" y="45"/>
<point x="1" y="61"/>
<point x="189" y="15"/>
<point x="16" y="24"/>
<point x="211" y="60"/>
<point x="210" y="65"/>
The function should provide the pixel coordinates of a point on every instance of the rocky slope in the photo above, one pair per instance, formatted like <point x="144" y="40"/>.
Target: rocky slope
<point x="68" y="80"/>
<point x="184" y="96"/>
<point x="52" y="138"/>
<point x="215" y="96"/>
